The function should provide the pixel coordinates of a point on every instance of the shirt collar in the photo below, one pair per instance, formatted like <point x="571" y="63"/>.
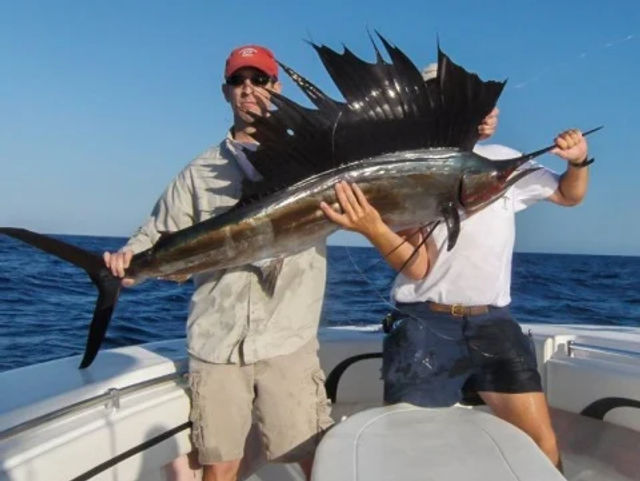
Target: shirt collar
<point x="238" y="150"/>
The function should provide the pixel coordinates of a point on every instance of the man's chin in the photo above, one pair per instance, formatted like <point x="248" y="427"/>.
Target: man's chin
<point x="246" y="117"/>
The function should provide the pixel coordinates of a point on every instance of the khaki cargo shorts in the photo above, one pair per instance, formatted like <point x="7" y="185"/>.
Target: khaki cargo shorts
<point x="284" y="395"/>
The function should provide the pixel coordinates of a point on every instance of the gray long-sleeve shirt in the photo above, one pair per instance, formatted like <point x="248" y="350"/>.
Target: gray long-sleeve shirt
<point x="231" y="319"/>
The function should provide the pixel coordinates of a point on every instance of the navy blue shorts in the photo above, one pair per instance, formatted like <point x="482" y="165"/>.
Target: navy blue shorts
<point x="436" y="359"/>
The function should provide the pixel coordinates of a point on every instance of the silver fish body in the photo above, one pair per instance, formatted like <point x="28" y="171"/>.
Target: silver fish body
<point x="408" y="189"/>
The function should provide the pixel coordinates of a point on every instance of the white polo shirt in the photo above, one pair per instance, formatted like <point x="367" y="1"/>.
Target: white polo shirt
<point x="477" y="271"/>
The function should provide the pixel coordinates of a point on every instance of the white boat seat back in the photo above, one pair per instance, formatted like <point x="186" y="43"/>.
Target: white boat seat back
<point x="407" y="443"/>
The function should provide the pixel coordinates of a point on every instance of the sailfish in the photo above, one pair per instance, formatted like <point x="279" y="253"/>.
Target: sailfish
<point x="407" y="143"/>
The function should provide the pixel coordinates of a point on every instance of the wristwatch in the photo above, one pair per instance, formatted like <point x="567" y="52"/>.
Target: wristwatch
<point x="584" y="163"/>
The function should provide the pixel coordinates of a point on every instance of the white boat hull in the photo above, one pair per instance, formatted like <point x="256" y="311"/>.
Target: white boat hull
<point x="131" y="413"/>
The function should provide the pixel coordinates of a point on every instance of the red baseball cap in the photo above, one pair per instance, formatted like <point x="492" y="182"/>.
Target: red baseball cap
<point x="251" y="56"/>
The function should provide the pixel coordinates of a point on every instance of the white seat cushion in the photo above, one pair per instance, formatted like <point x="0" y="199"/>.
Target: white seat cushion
<point x="407" y="443"/>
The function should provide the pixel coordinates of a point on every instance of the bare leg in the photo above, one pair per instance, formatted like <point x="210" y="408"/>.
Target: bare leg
<point x="306" y="465"/>
<point x="184" y="468"/>
<point x="223" y="471"/>
<point x="528" y="411"/>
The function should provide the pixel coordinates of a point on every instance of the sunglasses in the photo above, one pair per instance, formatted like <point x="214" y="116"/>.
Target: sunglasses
<point x="257" y="80"/>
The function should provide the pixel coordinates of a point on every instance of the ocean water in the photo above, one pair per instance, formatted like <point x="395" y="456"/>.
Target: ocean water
<point x="46" y="304"/>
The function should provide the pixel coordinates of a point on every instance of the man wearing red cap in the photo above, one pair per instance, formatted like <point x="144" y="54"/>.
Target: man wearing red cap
<point x="250" y="353"/>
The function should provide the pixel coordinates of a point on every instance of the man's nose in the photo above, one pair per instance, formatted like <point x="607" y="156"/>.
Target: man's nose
<point x="247" y="86"/>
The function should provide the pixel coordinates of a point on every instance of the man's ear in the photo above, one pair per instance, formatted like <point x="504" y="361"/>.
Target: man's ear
<point x="225" y="92"/>
<point x="277" y="87"/>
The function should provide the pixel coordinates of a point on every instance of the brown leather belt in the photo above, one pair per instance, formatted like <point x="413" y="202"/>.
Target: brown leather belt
<point x="458" y="310"/>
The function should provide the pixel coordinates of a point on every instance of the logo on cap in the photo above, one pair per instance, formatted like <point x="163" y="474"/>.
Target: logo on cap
<point x="247" y="52"/>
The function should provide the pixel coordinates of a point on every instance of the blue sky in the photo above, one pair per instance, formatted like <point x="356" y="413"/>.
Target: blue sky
<point x="102" y="103"/>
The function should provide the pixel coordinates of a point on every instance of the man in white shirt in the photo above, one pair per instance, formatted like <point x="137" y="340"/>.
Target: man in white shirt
<point x="453" y="331"/>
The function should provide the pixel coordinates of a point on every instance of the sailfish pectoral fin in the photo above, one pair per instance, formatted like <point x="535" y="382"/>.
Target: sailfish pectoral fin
<point x="268" y="273"/>
<point x="452" y="221"/>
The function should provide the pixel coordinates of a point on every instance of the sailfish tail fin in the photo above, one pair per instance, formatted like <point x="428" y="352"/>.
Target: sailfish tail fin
<point x="108" y="285"/>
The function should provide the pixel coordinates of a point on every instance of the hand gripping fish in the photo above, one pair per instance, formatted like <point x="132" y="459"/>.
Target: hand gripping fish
<point x="406" y="142"/>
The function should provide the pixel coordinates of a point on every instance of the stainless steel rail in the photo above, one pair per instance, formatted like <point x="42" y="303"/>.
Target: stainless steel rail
<point x="111" y="398"/>
<point x="573" y="346"/>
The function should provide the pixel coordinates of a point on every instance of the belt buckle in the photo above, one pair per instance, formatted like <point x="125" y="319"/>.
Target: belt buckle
<point x="458" y="310"/>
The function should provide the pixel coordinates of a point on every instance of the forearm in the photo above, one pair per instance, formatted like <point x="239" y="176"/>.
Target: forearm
<point x="572" y="147"/>
<point x="400" y="250"/>
<point x="573" y="185"/>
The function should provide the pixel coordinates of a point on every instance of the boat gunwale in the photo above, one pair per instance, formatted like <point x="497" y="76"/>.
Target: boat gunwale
<point x="111" y="397"/>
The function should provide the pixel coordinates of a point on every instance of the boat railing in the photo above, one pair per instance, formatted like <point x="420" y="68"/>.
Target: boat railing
<point x="573" y="347"/>
<point x="110" y="398"/>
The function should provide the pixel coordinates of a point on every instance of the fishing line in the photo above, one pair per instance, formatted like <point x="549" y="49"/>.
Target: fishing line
<point x="426" y="235"/>
<point x="407" y="315"/>
<point x="576" y="58"/>
<point x="333" y="138"/>
<point x="404" y="242"/>
<point x="384" y="299"/>
<point x="422" y="243"/>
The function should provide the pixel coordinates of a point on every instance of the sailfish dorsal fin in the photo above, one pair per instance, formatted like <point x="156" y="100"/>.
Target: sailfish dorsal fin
<point x="387" y="107"/>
